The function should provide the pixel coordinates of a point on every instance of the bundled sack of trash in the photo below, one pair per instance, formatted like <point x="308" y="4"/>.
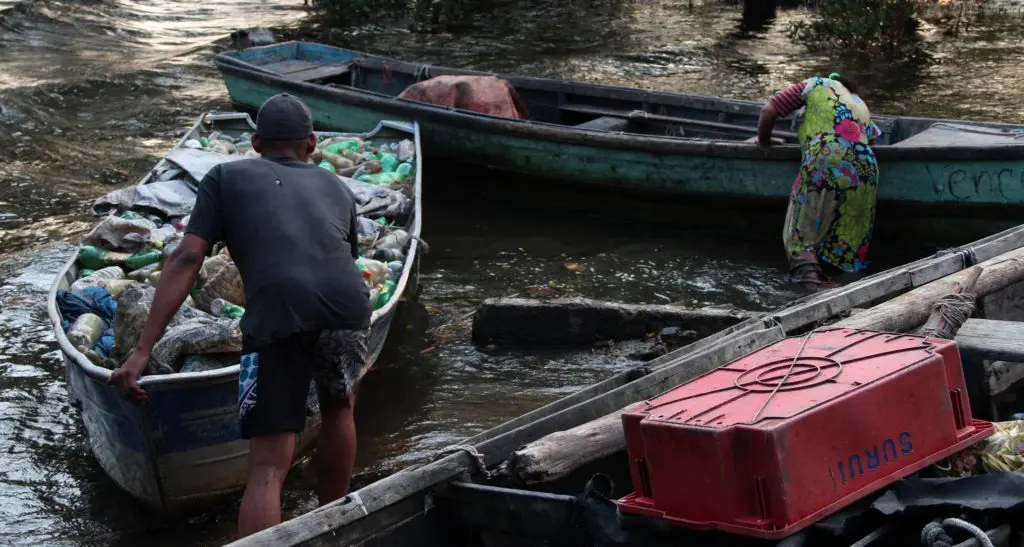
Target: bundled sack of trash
<point x="484" y="94"/>
<point x="190" y="331"/>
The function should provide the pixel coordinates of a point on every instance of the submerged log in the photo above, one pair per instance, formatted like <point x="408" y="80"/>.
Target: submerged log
<point x="910" y="310"/>
<point x="568" y="321"/>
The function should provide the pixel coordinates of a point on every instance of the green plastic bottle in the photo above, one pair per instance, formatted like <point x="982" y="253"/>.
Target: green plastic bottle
<point x="404" y="169"/>
<point x="386" y="293"/>
<point x="85" y="272"/>
<point x="128" y="215"/>
<point x="337" y="147"/>
<point x="328" y="166"/>
<point x="388" y="163"/>
<point x="380" y="179"/>
<point x="142" y="259"/>
<point x="204" y="141"/>
<point x="91" y="257"/>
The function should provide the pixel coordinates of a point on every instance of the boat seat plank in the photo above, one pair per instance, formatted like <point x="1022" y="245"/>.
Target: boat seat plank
<point x="307" y="71"/>
<point x="639" y="115"/>
<point x="604" y="123"/>
<point x="950" y="134"/>
<point x="999" y="341"/>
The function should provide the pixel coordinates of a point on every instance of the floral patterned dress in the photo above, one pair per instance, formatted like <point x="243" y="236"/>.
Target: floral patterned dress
<point x="832" y="207"/>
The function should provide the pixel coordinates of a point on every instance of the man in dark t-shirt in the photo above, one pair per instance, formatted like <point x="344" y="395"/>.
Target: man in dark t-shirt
<point x="290" y="227"/>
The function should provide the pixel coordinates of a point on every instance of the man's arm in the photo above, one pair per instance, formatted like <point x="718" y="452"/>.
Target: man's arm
<point x="179" y="273"/>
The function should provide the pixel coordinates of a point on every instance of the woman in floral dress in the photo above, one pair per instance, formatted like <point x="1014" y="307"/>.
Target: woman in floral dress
<point x="832" y="205"/>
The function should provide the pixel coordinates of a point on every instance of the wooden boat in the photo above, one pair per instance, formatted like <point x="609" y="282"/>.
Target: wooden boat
<point x="182" y="450"/>
<point x="435" y="503"/>
<point x="628" y="139"/>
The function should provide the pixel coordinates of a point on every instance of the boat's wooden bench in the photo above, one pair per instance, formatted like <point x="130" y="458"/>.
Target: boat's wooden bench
<point x="307" y="71"/>
<point x="604" y="123"/>
<point x="997" y="348"/>
<point x="641" y="116"/>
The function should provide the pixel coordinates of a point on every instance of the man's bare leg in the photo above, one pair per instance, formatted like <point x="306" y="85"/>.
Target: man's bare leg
<point x="270" y="457"/>
<point x="336" y="449"/>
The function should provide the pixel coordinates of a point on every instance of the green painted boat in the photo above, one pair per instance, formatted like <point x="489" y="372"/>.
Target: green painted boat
<point x="629" y="139"/>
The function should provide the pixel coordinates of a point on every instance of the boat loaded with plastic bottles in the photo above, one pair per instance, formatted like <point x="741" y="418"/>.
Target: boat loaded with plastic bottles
<point x="629" y="139"/>
<point x="182" y="449"/>
<point x="856" y="416"/>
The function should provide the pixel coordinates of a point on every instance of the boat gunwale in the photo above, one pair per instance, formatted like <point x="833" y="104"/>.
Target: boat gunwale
<point x="230" y="373"/>
<point x="231" y="63"/>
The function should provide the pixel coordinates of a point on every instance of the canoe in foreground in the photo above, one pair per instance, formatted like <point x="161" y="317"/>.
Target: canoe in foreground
<point x="427" y="506"/>
<point x="627" y="139"/>
<point x="183" y="449"/>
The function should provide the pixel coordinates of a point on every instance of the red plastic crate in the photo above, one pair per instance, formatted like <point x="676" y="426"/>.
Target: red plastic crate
<point x="778" y="439"/>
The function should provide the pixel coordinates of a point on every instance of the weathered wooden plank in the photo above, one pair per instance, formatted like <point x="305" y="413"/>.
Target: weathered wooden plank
<point x="638" y="115"/>
<point x="912" y="309"/>
<point x="604" y="123"/>
<point x="991" y="339"/>
<point x="320" y="72"/>
<point x="555" y="456"/>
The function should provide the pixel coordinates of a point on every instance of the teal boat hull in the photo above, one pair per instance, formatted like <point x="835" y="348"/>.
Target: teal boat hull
<point x="642" y="164"/>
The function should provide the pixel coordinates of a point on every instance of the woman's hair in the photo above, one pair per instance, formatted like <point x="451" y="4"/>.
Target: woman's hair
<point x="849" y="83"/>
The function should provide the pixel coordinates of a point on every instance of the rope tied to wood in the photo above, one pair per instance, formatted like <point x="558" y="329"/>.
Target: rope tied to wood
<point x="954" y="310"/>
<point x="933" y="535"/>
<point x="477" y="457"/>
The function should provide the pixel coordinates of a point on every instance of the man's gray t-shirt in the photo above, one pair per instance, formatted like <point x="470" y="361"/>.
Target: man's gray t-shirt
<point x="291" y="229"/>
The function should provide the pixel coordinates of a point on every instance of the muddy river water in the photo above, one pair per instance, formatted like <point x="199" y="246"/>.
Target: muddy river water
<point x="92" y="91"/>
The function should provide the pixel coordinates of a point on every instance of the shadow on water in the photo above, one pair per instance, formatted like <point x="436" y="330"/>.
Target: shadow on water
<point x="92" y="93"/>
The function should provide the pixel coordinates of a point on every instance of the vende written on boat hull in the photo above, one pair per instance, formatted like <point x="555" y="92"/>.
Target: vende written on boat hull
<point x="798" y="430"/>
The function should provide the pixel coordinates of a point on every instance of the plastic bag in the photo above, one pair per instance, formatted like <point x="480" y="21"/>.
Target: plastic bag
<point x="1004" y="450"/>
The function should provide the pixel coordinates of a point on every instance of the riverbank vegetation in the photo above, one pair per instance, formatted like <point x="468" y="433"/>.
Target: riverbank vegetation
<point x="891" y="26"/>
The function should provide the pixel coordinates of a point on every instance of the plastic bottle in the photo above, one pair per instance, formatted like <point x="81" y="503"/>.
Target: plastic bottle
<point x="335" y="147"/>
<point x="395" y="268"/>
<point x="374" y="296"/>
<point x="327" y="165"/>
<point x="380" y="179"/>
<point x="91" y="257"/>
<point x="84" y="272"/>
<point x="204" y="141"/>
<point x="223" y="308"/>
<point x="388" y="255"/>
<point x="386" y="293"/>
<point x="406" y="151"/>
<point x="388" y="163"/>
<point x="116" y="286"/>
<point x="109" y="273"/>
<point x="404" y="169"/>
<point x="142" y="259"/>
<point x="395" y="240"/>
<point x="350" y="155"/>
<point x="338" y="161"/>
<point x="378" y="271"/>
<point x="86" y="330"/>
